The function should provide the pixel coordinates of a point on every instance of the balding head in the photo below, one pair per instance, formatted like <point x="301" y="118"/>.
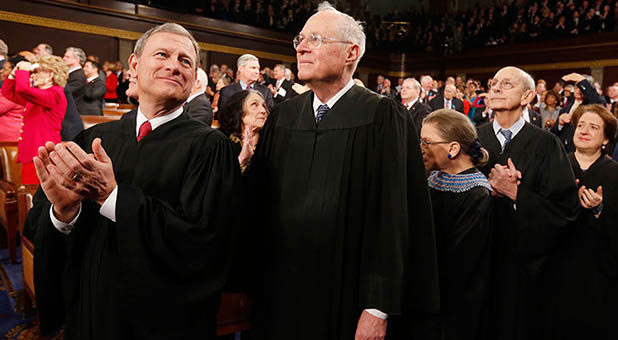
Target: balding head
<point x="410" y="90"/>
<point x="512" y="89"/>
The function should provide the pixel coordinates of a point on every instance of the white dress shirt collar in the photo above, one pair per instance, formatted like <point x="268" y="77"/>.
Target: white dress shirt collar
<point x="92" y="78"/>
<point x="157" y="121"/>
<point x="515" y="128"/>
<point x="193" y="96"/>
<point x="331" y="102"/>
<point x="74" y="69"/>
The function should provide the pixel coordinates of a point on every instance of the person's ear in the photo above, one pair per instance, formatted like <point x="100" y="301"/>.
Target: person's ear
<point x="454" y="149"/>
<point x="353" y="54"/>
<point x="133" y="62"/>
<point x="527" y="97"/>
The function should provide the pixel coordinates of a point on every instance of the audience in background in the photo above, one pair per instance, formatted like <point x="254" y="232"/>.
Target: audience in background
<point x="111" y="82"/>
<point x="94" y="91"/>
<point x="11" y="112"/>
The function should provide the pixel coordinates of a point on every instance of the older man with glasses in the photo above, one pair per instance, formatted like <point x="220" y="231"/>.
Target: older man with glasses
<point x="348" y="238"/>
<point x="535" y="200"/>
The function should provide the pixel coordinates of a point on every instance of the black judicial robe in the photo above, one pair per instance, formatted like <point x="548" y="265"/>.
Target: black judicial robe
<point x="462" y="213"/>
<point x="347" y="218"/>
<point x="157" y="272"/>
<point x="581" y="284"/>
<point x="525" y="235"/>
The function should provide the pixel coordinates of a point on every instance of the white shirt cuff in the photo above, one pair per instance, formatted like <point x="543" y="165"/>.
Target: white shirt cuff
<point x="108" y="208"/>
<point x="377" y="313"/>
<point x="62" y="227"/>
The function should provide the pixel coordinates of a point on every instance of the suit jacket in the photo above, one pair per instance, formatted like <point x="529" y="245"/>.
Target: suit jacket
<point x="93" y="98"/>
<point x="438" y="103"/>
<point x="72" y="123"/>
<point x="76" y="84"/>
<point x="419" y="111"/>
<point x="535" y="118"/>
<point x="229" y="90"/>
<point x="289" y="92"/>
<point x="199" y="108"/>
<point x="591" y="96"/>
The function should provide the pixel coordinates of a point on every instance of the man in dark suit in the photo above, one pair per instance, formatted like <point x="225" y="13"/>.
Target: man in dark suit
<point x="584" y="94"/>
<point x="448" y="100"/>
<point x="410" y="98"/>
<point x="94" y="91"/>
<point x="198" y="106"/>
<point x="533" y="117"/>
<point x="282" y="89"/>
<point x="75" y="57"/>
<point x="248" y="74"/>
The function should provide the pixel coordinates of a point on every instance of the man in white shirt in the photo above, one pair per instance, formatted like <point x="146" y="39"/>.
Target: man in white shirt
<point x="410" y="98"/>
<point x="74" y="58"/>
<point x="137" y="208"/>
<point x="330" y="270"/>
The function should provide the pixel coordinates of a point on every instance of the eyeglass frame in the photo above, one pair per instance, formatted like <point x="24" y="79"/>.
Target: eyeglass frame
<point x="426" y="143"/>
<point x="501" y="83"/>
<point x="315" y="37"/>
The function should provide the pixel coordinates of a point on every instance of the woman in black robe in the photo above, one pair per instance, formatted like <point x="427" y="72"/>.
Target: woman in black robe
<point x="581" y="286"/>
<point x="241" y="119"/>
<point x="461" y="201"/>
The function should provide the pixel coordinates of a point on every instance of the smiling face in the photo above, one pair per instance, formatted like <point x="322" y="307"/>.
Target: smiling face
<point x="166" y="69"/>
<point x="70" y="59"/>
<point x="327" y="62"/>
<point x="254" y="111"/>
<point x="589" y="133"/>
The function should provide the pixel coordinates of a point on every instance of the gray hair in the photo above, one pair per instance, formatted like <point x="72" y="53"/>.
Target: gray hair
<point x="4" y="49"/>
<point x="426" y="77"/>
<point x="245" y="59"/>
<point x="349" y="28"/>
<point x="281" y="66"/>
<point x="415" y="83"/>
<point x="201" y="76"/>
<point x="169" y="27"/>
<point x="78" y="53"/>
<point x="528" y="80"/>
<point x="47" y="48"/>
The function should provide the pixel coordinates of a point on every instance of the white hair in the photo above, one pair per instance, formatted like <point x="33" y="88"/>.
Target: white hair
<point x="426" y="77"/>
<point x="348" y="29"/>
<point x="528" y="80"/>
<point x="203" y="78"/>
<point x="415" y="83"/>
<point x="245" y="59"/>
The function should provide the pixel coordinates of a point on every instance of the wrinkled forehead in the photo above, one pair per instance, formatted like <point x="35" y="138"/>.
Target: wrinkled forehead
<point x="322" y="23"/>
<point x="168" y="40"/>
<point x="510" y="74"/>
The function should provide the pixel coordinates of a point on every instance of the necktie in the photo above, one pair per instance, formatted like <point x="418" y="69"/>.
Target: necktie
<point x="145" y="129"/>
<point x="447" y="105"/>
<point x="507" y="136"/>
<point x="322" y="111"/>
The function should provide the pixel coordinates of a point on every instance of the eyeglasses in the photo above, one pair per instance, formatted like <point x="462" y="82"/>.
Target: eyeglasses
<point x="427" y="143"/>
<point x="315" y="40"/>
<point x="503" y="84"/>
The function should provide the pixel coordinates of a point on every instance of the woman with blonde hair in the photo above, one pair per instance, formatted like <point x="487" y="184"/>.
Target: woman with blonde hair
<point x="461" y="203"/>
<point x="45" y="105"/>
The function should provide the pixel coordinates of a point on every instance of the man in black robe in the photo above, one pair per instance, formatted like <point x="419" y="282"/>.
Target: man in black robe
<point x="131" y="233"/>
<point x="536" y="200"/>
<point x="347" y="237"/>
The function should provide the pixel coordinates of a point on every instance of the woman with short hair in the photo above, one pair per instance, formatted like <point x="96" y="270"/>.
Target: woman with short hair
<point x="45" y="104"/>
<point x="461" y="202"/>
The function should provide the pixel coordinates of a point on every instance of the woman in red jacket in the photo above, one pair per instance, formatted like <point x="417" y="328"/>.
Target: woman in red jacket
<point x="45" y="105"/>
<point x="11" y="114"/>
<point x="111" y="82"/>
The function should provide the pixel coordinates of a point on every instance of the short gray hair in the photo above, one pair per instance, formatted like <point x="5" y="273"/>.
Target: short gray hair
<point x="415" y="83"/>
<point x="4" y="49"/>
<point x="169" y="27"/>
<point x="201" y="75"/>
<point x="528" y="80"/>
<point x="349" y="28"/>
<point x="78" y="53"/>
<point x="426" y="77"/>
<point x="245" y="59"/>
<point x="47" y="48"/>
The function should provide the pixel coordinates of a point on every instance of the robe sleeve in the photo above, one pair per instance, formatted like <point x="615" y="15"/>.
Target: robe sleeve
<point x="402" y="242"/>
<point x="161" y="243"/>
<point x="546" y="207"/>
